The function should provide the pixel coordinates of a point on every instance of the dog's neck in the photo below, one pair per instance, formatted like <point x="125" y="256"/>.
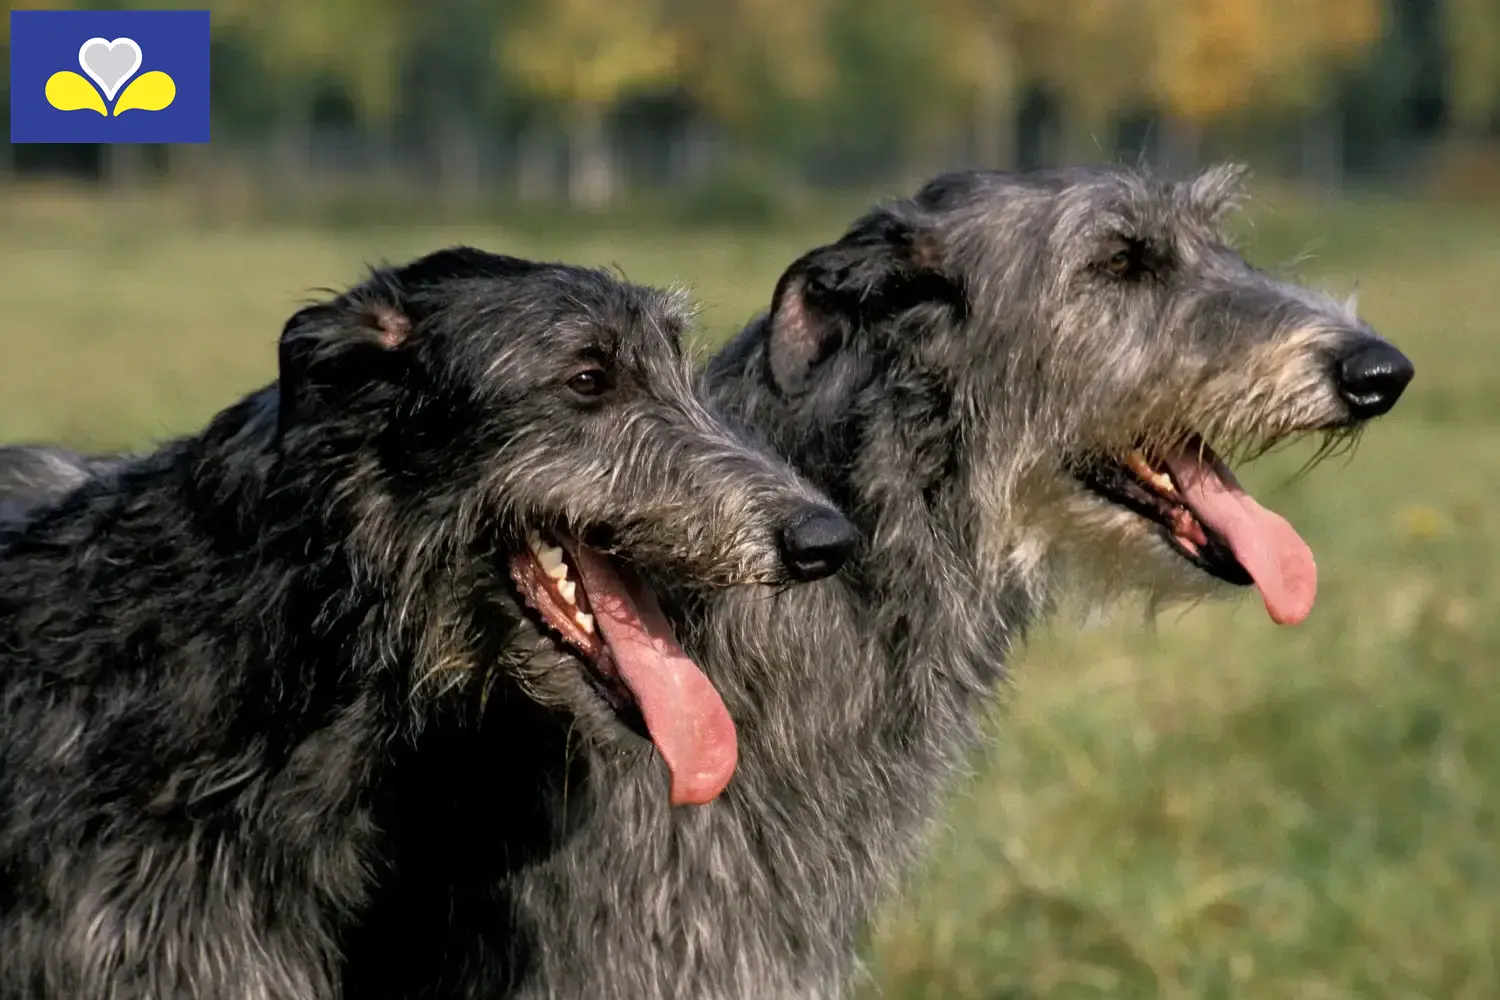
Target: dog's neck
<point x="252" y="508"/>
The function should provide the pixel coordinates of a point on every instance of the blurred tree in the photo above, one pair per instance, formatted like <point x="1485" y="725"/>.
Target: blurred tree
<point x="1215" y="58"/>
<point x="1093" y="56"/>
<point x="1474" y="45"/>
<point x="737" y="59"/>
<point x="891" y="96"/>
<point x="1088" y="56"/>
<point x="845" y="90"/>
<point x="451" y="94"/>
<point x="586" y="55"/>
<point x="356" y="44"/>
<point x="980" y="60"/>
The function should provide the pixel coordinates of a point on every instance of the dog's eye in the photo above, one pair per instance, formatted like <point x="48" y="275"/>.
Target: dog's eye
<point x="1122" y="264"/>
<point x="590" y="382"/>
<point x="1132" y="260"/>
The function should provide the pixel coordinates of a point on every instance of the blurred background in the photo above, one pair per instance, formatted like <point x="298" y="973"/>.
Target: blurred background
<point x="1199" y="805"/>
<point x="756" y="103"/>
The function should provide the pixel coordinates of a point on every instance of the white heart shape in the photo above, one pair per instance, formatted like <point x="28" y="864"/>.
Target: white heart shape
<point x="110" y="64"/>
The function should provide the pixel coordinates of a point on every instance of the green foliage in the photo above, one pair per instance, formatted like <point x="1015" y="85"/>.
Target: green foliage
<point x="359" y="43"/>
<point x="738" y="58"/>
<point x="589" y="53"/>
<point x="1474" y="39"/>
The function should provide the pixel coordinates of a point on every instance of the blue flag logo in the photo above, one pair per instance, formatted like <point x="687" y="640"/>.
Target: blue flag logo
<point x="109" y="76"/>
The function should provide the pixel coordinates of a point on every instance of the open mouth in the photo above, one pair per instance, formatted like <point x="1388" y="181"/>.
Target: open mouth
<point x="1208" y="519"/>
<point x="603" y="613"/>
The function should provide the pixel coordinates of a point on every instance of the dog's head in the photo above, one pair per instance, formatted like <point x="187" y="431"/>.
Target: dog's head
<point x="1073" y="351"/>
<point x="539" y="422"/>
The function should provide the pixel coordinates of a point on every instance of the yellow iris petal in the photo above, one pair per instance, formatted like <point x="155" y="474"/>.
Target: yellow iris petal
<point x="149" y="92"/>
<point x="68" y="91"/>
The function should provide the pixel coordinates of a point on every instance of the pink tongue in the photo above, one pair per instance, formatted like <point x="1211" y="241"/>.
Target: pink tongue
<point x="1267" y="546"/>
<point x="686" y="717"/>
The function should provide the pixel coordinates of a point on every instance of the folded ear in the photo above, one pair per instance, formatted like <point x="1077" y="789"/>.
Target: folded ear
<point x="801" y="334"/>
<point x="361" y="340"/>
<point x="882" y="267"/>
<point x="330" y="350"/>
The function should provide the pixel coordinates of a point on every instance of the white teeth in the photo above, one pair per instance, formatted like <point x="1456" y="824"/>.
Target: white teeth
<point x="551" y="558"/>
<point x="535" y="541"/>
<point x="554" y="563"/>
<point x="585" y="621"/>
<point x="1161" y="480"/>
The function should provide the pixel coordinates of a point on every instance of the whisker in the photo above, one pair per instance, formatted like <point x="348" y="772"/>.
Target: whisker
<point x="1335" y="443"/>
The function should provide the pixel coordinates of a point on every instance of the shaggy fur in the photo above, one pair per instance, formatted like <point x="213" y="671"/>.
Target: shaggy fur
<point x="30" y="474"/>
<point x="212" y="653"/>
<point x="943" y="371"/>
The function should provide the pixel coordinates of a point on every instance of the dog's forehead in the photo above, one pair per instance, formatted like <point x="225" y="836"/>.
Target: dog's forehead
<point x="1082" y="200"/>
<point x="1089" y="215"/>
<point x="565" y="296"/>
<point x="628" y="324"/>
<point x="645" y="324"/>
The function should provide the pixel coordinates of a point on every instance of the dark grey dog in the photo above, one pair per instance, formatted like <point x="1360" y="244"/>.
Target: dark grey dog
<point x="210" y="653"/>
<point x="1010" y="383"/>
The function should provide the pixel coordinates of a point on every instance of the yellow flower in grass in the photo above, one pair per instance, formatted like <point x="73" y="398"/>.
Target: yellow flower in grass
<point x="1421" y="521"/>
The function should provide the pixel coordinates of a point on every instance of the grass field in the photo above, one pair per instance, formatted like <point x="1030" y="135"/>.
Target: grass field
<point x="1204" y="807"/>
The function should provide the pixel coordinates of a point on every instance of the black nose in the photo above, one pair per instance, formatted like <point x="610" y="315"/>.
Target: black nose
<point x="1372" y="378"/>
<point x="818" y="545"/>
